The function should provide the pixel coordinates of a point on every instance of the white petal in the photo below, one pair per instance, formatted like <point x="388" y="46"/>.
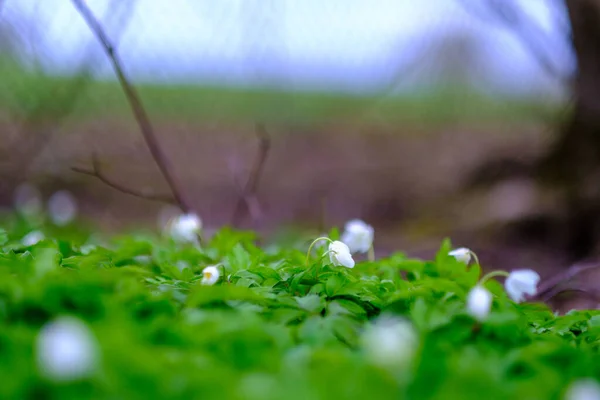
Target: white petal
<point x="211" y="275"/>
<point x="479" y="302"/>
<point x="521" y="282"/>
<point x="185" y="227"/>
<point x="333" y="258"/>
<point x="390" y="341"/>
<point x="66" y="350"/>
<point x="62" y="207"/>
<point x="32" y="238"/>
<point x="339" y="254"/>
<point x="356" y="225"/>
<point x="358" y="235"/>
<point x="346" y="260"/>
<point x="583" y="389"/>
<point x="461" y="254"/>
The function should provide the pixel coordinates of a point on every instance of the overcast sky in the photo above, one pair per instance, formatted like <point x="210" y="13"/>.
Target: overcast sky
<point x="341" y="44"/>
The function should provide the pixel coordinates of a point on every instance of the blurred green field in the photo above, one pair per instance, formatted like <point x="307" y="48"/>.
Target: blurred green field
<point x="23" y="89"/>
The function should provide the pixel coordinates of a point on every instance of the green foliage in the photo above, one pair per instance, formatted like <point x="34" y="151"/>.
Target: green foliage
<point x="273" y="327"/>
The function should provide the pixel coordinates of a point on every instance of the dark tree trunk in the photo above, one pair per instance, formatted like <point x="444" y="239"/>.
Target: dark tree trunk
<point x="574" y="161"/>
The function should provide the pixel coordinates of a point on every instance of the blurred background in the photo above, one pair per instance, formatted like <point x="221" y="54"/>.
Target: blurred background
<point x="472" y="119"/>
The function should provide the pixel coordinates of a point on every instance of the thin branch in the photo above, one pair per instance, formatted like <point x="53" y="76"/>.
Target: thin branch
<point x="558" y="291"/>
<point x="97" y="173"/>
<point x="52" y="107"/>
<point x="527" y="31"/>
<point x="248" y="199"/>
<point x="548" y="287"/>
<point x="137" y="108"/>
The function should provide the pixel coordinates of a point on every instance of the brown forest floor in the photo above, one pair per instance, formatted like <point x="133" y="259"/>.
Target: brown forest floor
<point x="409" y="183"/>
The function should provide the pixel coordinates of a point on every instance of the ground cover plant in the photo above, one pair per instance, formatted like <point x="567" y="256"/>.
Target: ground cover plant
<point x="170" y="315"/>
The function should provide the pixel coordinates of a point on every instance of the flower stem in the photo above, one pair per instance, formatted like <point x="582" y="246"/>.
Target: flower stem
<point x="492" y="274"/>
<point x="200" y="239"/>
<point x="313" y="243"/>
<point x="475" y="258"/>
<point x="371" y="254"/>
<point x="476" y="328"/>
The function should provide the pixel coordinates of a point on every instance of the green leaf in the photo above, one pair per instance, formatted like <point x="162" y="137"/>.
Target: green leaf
<point x="239" y="258"/>
<point x="311" y="303"/>
<point x="202" y="295"/>
<point x="317" y="331"/>
<point x="334" y="284"/>
<point x="345" y="329"/>
<point x="473" y="275"/>
<point x="345" y="307"/>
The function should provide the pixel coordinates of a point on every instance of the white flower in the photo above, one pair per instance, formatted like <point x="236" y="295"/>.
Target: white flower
<point x="185" y="228"/>
<point x="521" y="282"/>
<point x="66" y="350"/>
<point x="479" y="302"/>
<point x="62" y="207"/>
<point x="583" y="389"/>
<point x="339" y="254"/>
<point x="32" y="238"/>
<point x="461" y="254"/>
<point x="210" y="275"/>
<point x="390" y="341"/>
<point x="358" y="235"/>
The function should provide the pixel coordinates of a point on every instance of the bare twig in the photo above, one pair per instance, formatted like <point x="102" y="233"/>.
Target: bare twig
<point x="555" y="292"/>
<point x="137" y="108"/>
<point x="248" y="197"/>
<point x="97" y="173"/>
<point x="526" y="30"/>
<point x="548" y="288"/>
<point x="251" y="200"/>
<point x="40" y="122"/>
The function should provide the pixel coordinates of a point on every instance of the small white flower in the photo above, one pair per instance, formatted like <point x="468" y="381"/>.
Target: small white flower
<point x="390" y="341"/>
<point x="521" y="282"/>
<point x="66" y="350"/>
<point x="185" y="228"/>
<point x="479" y="302"/>
<point x="461" y="254"/>
<point x="358" y="235"/>
<point x="210" y="275"/>
<point x="339" y="254"/>
<point x="32" y="238"/>
<point x="583" y="389"/>
<point x="62" y="207"/>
